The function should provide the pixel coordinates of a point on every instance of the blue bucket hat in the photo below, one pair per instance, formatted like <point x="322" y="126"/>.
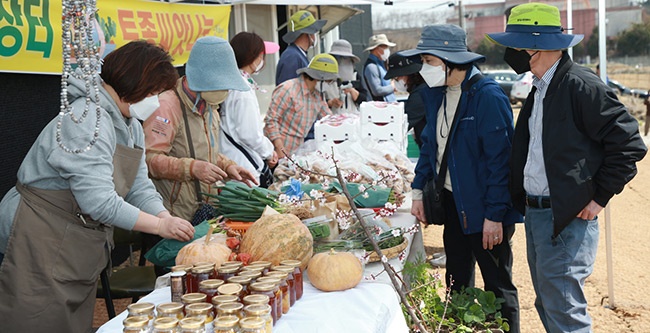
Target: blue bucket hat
<point x="535" y="26"/>
<point x="212" y="66"/>
<point x="445" y="41"/>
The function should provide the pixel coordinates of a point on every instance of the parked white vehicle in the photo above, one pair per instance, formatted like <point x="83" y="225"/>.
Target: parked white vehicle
<point x="521" y="87"/>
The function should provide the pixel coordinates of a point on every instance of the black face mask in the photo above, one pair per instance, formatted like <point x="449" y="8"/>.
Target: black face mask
<point x="519" y="61"/>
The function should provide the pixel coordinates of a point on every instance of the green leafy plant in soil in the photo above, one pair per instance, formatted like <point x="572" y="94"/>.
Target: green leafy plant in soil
<point x="469" y="310"/>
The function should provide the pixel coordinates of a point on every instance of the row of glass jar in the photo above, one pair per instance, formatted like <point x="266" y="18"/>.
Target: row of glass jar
<point x="257" y="308"/>
<point x="283" y="284"/>
<point x="225" y="324"/>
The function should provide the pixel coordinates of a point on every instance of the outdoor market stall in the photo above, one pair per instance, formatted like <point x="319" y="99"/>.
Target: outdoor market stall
<point x="371" y="306"/>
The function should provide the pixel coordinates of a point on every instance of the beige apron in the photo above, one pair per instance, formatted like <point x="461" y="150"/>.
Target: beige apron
<point x="48" y="278"/>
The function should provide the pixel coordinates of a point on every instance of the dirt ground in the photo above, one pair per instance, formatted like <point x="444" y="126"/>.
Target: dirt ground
<point x="630" y="260"/>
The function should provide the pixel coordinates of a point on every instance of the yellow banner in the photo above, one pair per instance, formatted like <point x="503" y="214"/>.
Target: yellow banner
<point x="30" y="30"/>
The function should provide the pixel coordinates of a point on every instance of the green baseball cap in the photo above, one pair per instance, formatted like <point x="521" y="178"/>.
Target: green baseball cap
<point x="302" y="22"/>
<point x="535" y="26"/>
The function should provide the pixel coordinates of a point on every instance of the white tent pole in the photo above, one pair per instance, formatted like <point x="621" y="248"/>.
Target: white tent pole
<point x="602" y="58"/>
<point x="569" y="22"/>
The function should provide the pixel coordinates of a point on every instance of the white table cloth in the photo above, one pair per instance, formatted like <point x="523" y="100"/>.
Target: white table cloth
<point x="370" y="307"/>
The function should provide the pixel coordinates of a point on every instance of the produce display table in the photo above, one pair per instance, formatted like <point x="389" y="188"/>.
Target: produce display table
<point x="371" y="306"/>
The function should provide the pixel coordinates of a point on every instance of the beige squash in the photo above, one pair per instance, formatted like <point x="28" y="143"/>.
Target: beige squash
<point x="203" y="251"/>
<point x="334" y="271"/>
<point x="278" y="237"/>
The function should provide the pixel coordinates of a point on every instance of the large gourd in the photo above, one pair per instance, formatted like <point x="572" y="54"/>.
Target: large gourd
<point x="334" y="271"/>
<point x="203" y="251"/>
<point x="278" y="237"/>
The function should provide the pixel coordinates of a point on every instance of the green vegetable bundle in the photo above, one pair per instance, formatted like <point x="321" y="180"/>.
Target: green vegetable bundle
<point x="238" y="202"/>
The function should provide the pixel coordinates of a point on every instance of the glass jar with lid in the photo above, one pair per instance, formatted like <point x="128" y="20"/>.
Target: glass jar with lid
<point x="171" y="310"/>
<point x="209" y="288"/>
<point x="268" y="289"/>
<point x="188" y="275"/>
<point x="254" y="268"/>
<point x="201" y="273"/>
<point x="297" y="275"/>
<point x="230" y="309"/>
<point x="254" y="275"/>
<point x="231" y="289"/>
<point x="201" y="310"/>
<point x="265" y="264"/>
<point x="237" y="264"/>
<point x="261" y="311"/>
<point x="191" y="325"/>
<point x="226" y="324"/>
<point x="165" y="325"/>
<point x="220" y="299"/>
<point x="252" y="325"/>
<point x="225" y="272"/>
<point x="141" y="309"/>
<point x="139" y="324"/>
<point x="255" y="299"/>
<point x="244" y="281"/>
<point x="286" y="273"/>
<point x="281" y="293"/>
<point x="193" y="298"/>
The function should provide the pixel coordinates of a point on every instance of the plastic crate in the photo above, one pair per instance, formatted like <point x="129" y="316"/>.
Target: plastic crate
<point x="412" y="149"/>
<point x="239" y="226"/>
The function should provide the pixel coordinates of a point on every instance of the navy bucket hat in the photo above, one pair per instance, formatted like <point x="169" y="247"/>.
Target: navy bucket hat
<point x="212" y="66"/>
<point x="445" y="41"/>
<point x="535" y="26"/>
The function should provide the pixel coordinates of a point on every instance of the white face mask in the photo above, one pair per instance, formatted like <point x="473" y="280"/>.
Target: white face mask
<point x="214" y="97"/>
<point x="434" y="76"/>
<point x="400" y="85"/>
<point x="144" y="108"/>
<point x="386" y="54"/>
<point x="346" y="69"/>
<point x="259" y="67"/>
<point x="312" y="41"/>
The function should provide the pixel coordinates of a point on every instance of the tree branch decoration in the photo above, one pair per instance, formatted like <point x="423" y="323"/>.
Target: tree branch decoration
<point x="396" y="281"/>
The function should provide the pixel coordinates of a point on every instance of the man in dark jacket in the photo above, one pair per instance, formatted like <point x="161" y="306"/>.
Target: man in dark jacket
<point x="575" y="146"/>
<point x="469" y="120"/>
<point x="301" y="35"/>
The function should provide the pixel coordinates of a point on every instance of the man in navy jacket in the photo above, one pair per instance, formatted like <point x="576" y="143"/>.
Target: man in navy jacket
<point x="301" y="35"/>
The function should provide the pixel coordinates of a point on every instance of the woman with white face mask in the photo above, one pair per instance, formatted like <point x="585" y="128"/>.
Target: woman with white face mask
<point x="83" y="176"/>
<point x="242" y="130"/>
<point x="348" y="91"/>
<point x="406" y="77"/>
<point x="464" y="160"/>
<point x="182" y="137"/>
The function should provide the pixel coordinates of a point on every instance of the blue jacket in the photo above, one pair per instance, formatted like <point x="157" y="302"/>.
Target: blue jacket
<point x="291" y="60"/>
<point x="480" y="145"/>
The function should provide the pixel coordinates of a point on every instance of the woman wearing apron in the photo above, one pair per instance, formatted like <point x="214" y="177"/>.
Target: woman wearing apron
<point x="84" y="175"/>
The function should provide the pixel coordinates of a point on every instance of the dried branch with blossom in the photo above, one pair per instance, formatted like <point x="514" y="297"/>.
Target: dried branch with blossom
<point x="388" y="210"/>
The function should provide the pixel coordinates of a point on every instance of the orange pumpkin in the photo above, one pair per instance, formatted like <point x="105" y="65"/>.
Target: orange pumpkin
<point x="203" y="251"/>
<point x="278" y="237"/>
<point x="334" y="271"/>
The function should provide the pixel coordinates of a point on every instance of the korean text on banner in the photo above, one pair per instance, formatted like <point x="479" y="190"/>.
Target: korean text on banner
<point x="30" y="30"/>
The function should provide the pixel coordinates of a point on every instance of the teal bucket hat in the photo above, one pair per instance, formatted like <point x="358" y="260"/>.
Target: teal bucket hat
<point x="212" y="66"/>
